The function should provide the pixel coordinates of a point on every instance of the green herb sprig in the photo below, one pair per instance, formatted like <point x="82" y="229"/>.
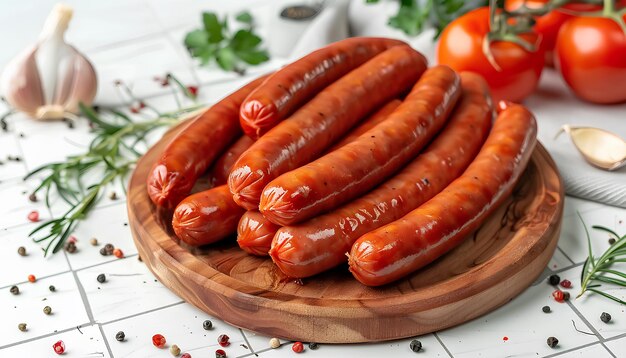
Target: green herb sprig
<point x="81" y="179"/>
<point x="597" y="271"/>
<point x="216" y="41"/>
<point x="413" y="16"/>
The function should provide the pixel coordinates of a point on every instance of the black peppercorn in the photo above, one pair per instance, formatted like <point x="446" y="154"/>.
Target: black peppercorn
<point x="554" y="280"/>
<point x="565" y="296"/>
<point x="207" y="324"/>
<point x="611" y="241"/>
<point x="15" y="290"/>
<point x="313" y="346"/>
<point x="70" y="247"/>
<point x="605" y="317"/>
<point x="32" y="197"/>
<point x="52" y="288"/>
<point x="21" y="251"/>
<point x="101" y="278"/>
<point x="552" y="342"/>
<point x="103" y="252"/>
<point x="546" y="309"/>
<point x="108" y="248"/>
<point x="415" y="345"/>
<point x="120" y="336"/>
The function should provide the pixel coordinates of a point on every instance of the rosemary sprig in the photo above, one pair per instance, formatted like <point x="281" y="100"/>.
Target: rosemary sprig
<point x="80" y="180"/>
<point x="597" y="271"/>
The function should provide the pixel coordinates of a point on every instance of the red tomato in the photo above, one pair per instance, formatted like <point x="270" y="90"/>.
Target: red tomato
<point x="460" y="47"/>
<point x="591" y="55"/>
<point x="547" y="25"/>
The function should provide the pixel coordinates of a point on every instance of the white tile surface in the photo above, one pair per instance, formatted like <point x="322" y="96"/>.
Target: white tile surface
<point x="67" y="309"/>
<point x="130" y="288"/>
<point x="17" y="206"/>
<point x="595" y="351"/>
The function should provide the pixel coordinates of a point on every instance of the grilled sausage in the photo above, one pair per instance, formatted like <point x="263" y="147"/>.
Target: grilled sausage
<point x="195" y="148"/>
<point x="319" y="123"/>
<point x="321" y="243"/>
<point x="403" y="246"/>
<point x="362" y="164"/>
<point x="255" y="233"/>
<point x="223" y="165"/>
<point x="293" y="85"/>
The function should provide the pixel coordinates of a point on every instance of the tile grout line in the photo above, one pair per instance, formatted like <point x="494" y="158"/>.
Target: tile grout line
<point x="38" y="278"/>
<point x="590" y="326"/>
<point x="247" y="343"/>
<point x="106" y="341"/>
<point x="106" y="262"/>
<point x="142" y="313"/>
<point x="81" y="291"/>
<point x="443" y="345"/>
<point x="564" y="254"/>
<point x="567" y="268"/>
<point x="572" y="350"/>
<point x="45" y="336"/>
<point x="608" y="350"/>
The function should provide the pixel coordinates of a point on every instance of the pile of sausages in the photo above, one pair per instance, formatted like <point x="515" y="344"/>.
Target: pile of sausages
<point x="356" y="152"/>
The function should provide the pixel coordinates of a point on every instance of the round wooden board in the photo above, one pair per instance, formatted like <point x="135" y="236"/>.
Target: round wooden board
<point x="490" y="268"/>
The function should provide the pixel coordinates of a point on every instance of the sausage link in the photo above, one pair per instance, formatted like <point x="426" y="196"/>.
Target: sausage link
<point x="195" y="148"/>
<point x="322" y="243"/>
<point x="206" y="217"/>
<point x="293" y="85"/>
<point x="223" y="165"/>
<point x="403" y="246"/>
<point x="376" y="118"/>
<point x="362" y="164"/>
<point x="324" y="119"/>
<point x="255" y="233"/>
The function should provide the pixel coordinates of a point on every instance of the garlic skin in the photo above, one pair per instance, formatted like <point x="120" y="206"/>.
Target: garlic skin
<point x="50" y="79"/>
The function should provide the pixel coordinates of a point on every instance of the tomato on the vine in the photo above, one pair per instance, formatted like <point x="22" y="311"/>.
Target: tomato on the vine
<point x="591" y="56"/>
<point x="461" y="47"/>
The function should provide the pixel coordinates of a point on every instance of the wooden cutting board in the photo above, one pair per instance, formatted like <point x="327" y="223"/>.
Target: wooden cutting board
<point x="490" y="268"/>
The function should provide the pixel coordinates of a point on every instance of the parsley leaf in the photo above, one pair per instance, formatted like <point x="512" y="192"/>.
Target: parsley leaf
<point x="215" y="41"/>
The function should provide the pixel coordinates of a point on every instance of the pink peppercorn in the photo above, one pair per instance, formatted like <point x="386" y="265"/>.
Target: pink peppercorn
<point x="59" y="347"/>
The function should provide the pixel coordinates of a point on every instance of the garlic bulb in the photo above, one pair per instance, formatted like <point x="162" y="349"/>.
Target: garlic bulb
<point x="51" y="78"/>
<point x="602" y="149"/>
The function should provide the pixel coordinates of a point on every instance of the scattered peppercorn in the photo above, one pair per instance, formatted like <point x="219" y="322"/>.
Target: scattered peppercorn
<point x="207" y="324"/>
<point x="14" y="290"/>
<point x="220" y="353"/>
<point x="546" y="309"/>
<point x="274" y="343"/>
<point x="52" y="288"/>
<point x="32" y="278"/>
<point x="101" y="278"/>
<point x="558" y="295"/>
<point x="139" y="258"/>
<point x="158" y="340"/>
<point x="120" y="336"/>
<point x="415" y="345"/>
<point x="32" y="197"/>
<point x="21" y="251"/>
<point x="566" y="283"/>
<point x="59" y="347"/>
<point x="93" y="241"/>
<point x="565" y="296"/>
<point x="297" y="347"/>
<point x="118" y="253"/>
<point x="222" y="340"/>
<point x="70" y="247"/>
<point x="72" y="239"/>
<point x="611" y="241"/>
<point x="313" y="345"/>
<point x="605" y="317"/>
<point x="552" y="342"/>
<point x="554" y="280"/>
<point x="186" y="355"/>
<point x="47" y="310"/>
<point x="33" y="216"/>
<point x="104" y="252"/>
<point x="113" y="195"/>
<point x="22" y="327"/>
<point x="175" y="350"/>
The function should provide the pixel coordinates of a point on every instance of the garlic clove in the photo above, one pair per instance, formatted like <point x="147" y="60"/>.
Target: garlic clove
<point x="20" y="83"/>
<point x="600" y="148"/>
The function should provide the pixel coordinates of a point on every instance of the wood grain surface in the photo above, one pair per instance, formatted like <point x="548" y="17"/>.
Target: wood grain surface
<point x="490" y="268"/>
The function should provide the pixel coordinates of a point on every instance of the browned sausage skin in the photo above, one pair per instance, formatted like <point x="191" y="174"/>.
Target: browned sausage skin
<point x="362" y="164"/>
<point x="195" y="148"/>
<point x="223" y="165"/>
<point x="206" y="217"/>
<point x="403" y="246"/>
<point x="255" y="233"/>
<point x="293" y="85"/>
<point x="320" y="122"/>
<point x="321" y="243"/>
